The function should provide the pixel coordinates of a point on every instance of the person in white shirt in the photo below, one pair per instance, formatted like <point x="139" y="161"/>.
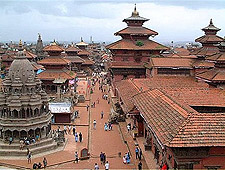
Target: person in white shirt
<point x="107" y="165"/>
<point x="96" y="166"/>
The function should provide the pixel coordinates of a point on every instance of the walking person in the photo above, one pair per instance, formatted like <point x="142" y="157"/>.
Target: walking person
<point x="76" y="157"/>
<point x="69" y="128"/>
<point x="101" y="157"/>
<point x="29" y="157"/>
<point x="137" y="152"/>
<point x="80" y="137"/>
<point x="74" y="129"/>
<point x="102" y="114"/>
<point x="104" y="158"/>
<point x="105" y="127"/>
<point x="65" y="129"/>
<point x="76" y="137"/>
<point x="140" y="166"/>
<point x="94" y="124"/>
<point x="96" y="166"/>
<point x="45" y="162"/>
<point x="87" y="107"/>
<point x="107" y="165"/>
<point x="140" y="154"/>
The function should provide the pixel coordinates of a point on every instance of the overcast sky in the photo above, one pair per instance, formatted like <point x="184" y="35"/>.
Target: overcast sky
<point x="68" y="20"/>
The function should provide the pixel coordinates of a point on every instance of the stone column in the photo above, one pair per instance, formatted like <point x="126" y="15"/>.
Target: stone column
<point x="58" y="92"/>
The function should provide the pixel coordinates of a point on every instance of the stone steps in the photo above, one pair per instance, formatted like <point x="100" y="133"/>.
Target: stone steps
<point x="34" y="150"/>
<point x="33" y="145"/>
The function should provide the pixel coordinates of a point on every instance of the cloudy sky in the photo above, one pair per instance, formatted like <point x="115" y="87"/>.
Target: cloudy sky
<point x="68" y="20"/>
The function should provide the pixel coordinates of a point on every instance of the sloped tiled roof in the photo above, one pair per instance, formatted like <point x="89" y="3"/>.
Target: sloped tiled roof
<point x="217" y="57"/>
<point x="37" y="66"/>
<point x="182" y="51"/>
<point x="56" y="74"/>
<point x="201" y="130"/>
<point x="83" y="52"/>
<point x="127" y="90"/>
<point x="30" y="55"/>
<point x="176" y="127"/>
<point x="74" y="59"/>
<point x="136" y="30"/>
<point x="205" y="51"/>
<point x="209" y="38"/>
<point x="54" y="61"/>
<point x="164" y="115"/>
<point x="131" y="45"/>
<point x="8" y="57"/>
<point x="171" y="62"/>
<point x="202" y="64"/>
<point x="72" y="49"/>
<point x="214" y="75"/>
<point x="53" y="47"/>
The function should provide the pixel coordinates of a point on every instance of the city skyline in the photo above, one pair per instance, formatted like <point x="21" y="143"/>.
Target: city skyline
<point x="69" y="20"/>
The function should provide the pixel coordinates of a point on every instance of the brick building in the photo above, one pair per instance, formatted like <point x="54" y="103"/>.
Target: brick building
<point x="134" y="49"/>
<point x="181" y="119"/>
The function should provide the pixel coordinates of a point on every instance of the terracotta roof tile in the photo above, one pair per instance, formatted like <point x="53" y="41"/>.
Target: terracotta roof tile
<point x="56" y="74"/>
<point x="83" y="52"/>
<point x="164" y="115"/>
<point x="200" y="130"/>
<point x="209" y="38"/>
<point x="215" y="74"/>
<point x="72" y="49"/>
<point x="30" y="55"/>
<point x="74" y="59"/>
<point x="127" y="90"/>
<point x="177" y="127"/>
<point x="54" y="61"/>
<point x="205" y="51"/>
<point x="136" y="30"/>
<point x="217" y="57"/>
<point x="131" y="45"/>
<point x="171" y="62"/>
<point x="88" y="62"/>
<point x="53" y="47"/>
<point x="203" y="64"/>
<point x="182" y="51"/>
<point x="37" y="66"/>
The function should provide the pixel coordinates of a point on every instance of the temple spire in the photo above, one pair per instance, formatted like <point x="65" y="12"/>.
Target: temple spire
<point x="81" y="39"/>
<point x="20" y="45"/>
<point x="135" y="13"/>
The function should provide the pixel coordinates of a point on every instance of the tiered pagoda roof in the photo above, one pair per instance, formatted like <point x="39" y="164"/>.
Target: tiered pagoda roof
<point x="217" y="74"/>
<point x="54" y="61"/>
<point x="53" y="47"/>
<point x="129" y="44"/>
<point x="208" y="41"/>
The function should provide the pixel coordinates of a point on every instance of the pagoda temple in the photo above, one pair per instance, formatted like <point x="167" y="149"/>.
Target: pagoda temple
<point x="85" y="54"/>
<point x="215" y="76"/>
<point x="208" y="41"/>
<point x="24" y="112"/>
<point x="57" y="67"/>
<point x="134" y="49"/>
<point x="72" y="56"/>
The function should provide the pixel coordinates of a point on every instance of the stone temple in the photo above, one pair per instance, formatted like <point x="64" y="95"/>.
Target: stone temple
<point x="24" y="111"/>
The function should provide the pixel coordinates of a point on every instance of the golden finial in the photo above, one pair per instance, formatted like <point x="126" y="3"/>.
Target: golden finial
<point x="135" y="13"/>
<point x="20" y="43"/>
